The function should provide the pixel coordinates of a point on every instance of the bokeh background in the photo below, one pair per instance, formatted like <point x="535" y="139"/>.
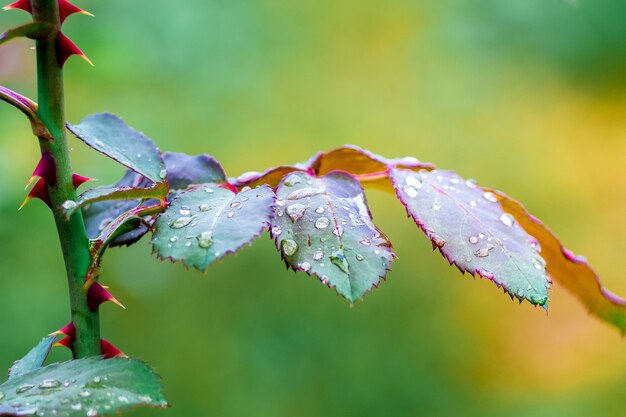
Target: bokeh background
<point x="528" y="96"/>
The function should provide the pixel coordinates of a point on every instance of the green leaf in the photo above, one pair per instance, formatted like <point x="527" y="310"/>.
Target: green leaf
<point x="208" y="222"/>
<point x="324" y="228"/>
<point x="184" y="170"/>
<point x="33" y="359"/>
<point x="109" y="135"/>
<point x="470" y="229"/>
<point x="93" y="195"/>
<point x="83" y="387"/>
<point x="31" y="30"/>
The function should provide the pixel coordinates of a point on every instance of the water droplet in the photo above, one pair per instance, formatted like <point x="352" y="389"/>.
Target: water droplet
<point x="292" y="180"/>
<point x="454" y="180"/>
<point x="281" y="203"/>
<point x="49" y="383"/>
<point x="468" y="259"/>
<point x="24" y="388"/>
<point x="235" y="204"/>
<point x="337" y="230"/>
<point x="122" y="399"/>
<point x="76" y="407"/>
<point x="473" y="240"/>
<point x="319" y="210"/>
<point x="436" y="206"/>
<point x="185" y="211"/>
<point x="85" y="393"/>
<point x="181" y="222"/>
<point x="473" y="203"/>
<point x="296" y="211"/>
<point x="359" y="257"/>
<point x="230" y="214"/>
<point x="520" y="293"/>
<point x="471" y="183"/>
<point x="413" y="182"/>
<point x="322" y="223"/>
<point x="506" y="219"/>
<point x="539" y="299"/>
<point x="303" y="193"/>
<point x="92" y="412"/>
<point x="410" y="191"/>
<point x="535" y="245"/>
<point x="338" y="259"/>
<point x="276" y="230"/>
<point x="376" y="252"/>
<point x="204" y="207"/>
<point x="289" y="247"/>
<point x="97" y="380"/>
<point x="98" y="143"/>
<point x="491" y="197"/>
<point x="537" y="265"/>
<point x="163" y="174"/>
<point x="324" y="279"/>
<point x="173" y="239"/>
<point x="205" y="239"/>
<point x="304" y="266"/>
<point x="69" y="205"/>
<point x="318" y="255"/>
<point x="483" y="252"/>
<point x="138" y="155"/>
<point x="188" y="244"/>
<point x="208" y="190"/>
<point x="481" y="235"/>
<point x="365" y="242"/>
<point x="1" y="395"/>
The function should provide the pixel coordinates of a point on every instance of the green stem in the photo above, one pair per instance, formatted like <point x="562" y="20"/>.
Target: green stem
<point x="72" y="234"/>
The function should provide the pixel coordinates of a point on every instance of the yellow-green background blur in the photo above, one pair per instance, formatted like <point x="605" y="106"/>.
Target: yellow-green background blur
<point x="528" y="96"/>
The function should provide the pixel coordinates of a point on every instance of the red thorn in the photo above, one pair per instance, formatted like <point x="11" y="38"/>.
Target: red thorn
<point x="39" y="191"/>
<point x="19" y="4"/>
<point x="78" y="180"/>
<point x="68" y="330"/>
<point x="67" y="9"/>
<point x="66" y="48"/>
<point x="46" y="169"/>
<point x="65" y="342"/>
<point x="97" y="294"/>
<point x="109" y="351"/>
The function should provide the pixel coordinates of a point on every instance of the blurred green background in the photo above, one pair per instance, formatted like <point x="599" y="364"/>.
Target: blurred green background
<point x="528" y="96"/>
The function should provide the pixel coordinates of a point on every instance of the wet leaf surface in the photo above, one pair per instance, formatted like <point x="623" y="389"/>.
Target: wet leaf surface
<point x="109" y="135"/>
<point x="33" y="359"/>
<point x="209" y="222"/>
<point x="184" y="170"/>
<point x="83" y="387"/>
<point x="470" y="229"/>
<point x="323" y="227"/>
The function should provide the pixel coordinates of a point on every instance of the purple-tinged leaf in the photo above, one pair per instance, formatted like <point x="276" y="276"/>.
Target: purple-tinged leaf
<point x="323" y="227"/>
<point x="572" y="272"/>
<point x="109" y="135"/>
<point x="208" y="222"/>
<point x="184" y="170"/>
<point x="94" y="195"/>
<point x="83" y="387"/>
<point x="29" y="108"/>
<point x="33" y="360"/>
<point x="31" y="30"/>
<point x="470" y="229"/>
